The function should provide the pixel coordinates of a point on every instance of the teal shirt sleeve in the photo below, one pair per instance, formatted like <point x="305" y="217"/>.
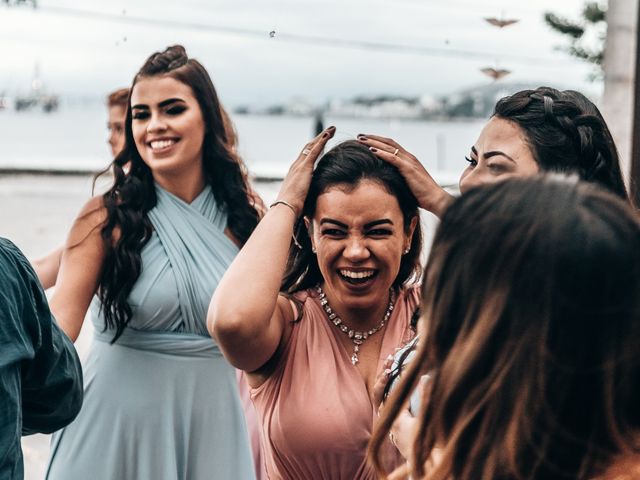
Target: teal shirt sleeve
<point x="40" y="373"/>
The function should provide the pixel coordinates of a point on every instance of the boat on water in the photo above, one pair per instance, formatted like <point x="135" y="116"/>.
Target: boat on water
<point x="48" y="103"/>
<point x="36" y="98"/>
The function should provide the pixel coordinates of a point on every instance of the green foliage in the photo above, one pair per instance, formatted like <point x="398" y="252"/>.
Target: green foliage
<point x="563" y="25"/>
<point x="593" y="16"/>
<point x="594" y="12"/>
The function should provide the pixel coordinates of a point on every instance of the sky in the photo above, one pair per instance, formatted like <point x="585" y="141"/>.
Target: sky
<point x="263" y="52"/>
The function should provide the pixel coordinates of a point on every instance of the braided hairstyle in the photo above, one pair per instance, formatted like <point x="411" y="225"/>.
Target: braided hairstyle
<point x="566" y="133"/>
<point x="127" y="228"/>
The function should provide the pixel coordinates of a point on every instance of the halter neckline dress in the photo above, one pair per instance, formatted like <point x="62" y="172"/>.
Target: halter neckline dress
<point x="161" y="403"/>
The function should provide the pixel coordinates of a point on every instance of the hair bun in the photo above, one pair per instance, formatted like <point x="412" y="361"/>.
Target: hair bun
<point x="173" y="57"/>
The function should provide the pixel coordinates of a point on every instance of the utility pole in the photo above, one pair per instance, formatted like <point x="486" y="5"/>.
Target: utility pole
<point x="620" y="62"/>
<point x="634" y="181"/>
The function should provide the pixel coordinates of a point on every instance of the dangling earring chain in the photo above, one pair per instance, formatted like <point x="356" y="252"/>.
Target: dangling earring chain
<point x="357" y="338"/>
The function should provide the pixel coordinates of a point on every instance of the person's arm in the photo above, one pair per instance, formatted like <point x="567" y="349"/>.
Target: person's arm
<point x="247" y="316"/>
<point x="80" y="268"/>
<point x="51" y="376"/>
<point x="52" y="381"/>
<point x="431" y="196"/>
<point x="47" y="267"/>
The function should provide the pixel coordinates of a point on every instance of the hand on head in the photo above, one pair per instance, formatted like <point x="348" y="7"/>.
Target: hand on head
<point x="430" y="195"/>
<point x="296" y="184"/>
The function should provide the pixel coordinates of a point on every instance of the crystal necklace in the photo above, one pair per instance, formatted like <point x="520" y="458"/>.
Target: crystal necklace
<point x="356" y="337"/>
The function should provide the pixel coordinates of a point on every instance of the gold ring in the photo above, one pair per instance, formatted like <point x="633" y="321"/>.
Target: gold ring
<point x="306" y="151"/>
<point x="395" y="154"/>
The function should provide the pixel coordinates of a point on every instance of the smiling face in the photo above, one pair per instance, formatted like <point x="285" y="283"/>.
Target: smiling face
<point x="168" y="127"/>
<point x="500" y="152"/>
<point x="359" y="237"/>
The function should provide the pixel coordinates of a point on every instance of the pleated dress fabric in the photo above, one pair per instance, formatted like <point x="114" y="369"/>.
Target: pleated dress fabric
<point x="314" y="409"/>
<point x="161" y="402"/>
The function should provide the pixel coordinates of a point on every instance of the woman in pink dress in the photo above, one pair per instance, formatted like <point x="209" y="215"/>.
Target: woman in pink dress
<point x="311" y="317"/>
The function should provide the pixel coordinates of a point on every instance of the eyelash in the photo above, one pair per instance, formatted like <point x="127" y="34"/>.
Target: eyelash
<point x="173" y="111"/>
<point x="176" y="110"/>
<point x="379" y="232"/>
<point x="471" y="161"/>
<point x="333" y="232"/>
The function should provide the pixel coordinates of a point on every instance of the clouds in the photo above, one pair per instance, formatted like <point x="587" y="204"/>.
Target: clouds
<point x="90" y="54"/>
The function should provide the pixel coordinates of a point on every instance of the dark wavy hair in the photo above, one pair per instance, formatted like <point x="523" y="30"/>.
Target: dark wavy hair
<point x="346" y="165"/>
<point x="530" y="336"/>
<point x="566" y="133"/>
<point x="133" y="194"/>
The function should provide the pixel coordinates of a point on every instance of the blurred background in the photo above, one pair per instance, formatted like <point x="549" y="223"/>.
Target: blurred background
<point x="425" y="72"/>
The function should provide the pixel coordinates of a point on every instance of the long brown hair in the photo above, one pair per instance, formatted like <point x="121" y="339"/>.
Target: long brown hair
<point x="132" y="194"/>
<point x="531" y="328"/>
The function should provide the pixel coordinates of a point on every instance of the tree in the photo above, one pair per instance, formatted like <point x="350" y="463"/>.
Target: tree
<point x="586" y="35"/>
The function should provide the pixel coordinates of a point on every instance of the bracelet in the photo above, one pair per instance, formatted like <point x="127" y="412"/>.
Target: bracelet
<point x="282" y="202"/>
<point x="293" y="234"/>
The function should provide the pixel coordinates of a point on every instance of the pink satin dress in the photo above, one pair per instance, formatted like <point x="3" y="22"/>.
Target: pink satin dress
<point x="315" y="411"/>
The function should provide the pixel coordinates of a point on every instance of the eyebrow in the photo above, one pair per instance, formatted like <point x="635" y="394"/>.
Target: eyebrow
<point x="382" y="221"/>
<point x="493" y="153"/>
<point x="162" y="104"/>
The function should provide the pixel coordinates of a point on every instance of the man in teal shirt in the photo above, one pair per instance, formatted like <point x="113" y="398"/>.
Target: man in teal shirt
<point x="40" y="374"/>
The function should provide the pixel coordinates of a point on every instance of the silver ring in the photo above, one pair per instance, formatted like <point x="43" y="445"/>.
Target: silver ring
<point x="306" y="151"/>
<point x="395" y="154"/>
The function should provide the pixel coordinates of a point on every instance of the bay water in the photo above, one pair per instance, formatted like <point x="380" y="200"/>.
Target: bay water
<point x="74" y="138"/>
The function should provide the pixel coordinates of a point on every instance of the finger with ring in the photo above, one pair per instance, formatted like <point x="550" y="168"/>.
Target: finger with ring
<point x="395" y="154"/>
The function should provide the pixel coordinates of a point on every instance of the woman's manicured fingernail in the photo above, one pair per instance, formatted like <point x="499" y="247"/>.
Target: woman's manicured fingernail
<point x="374" y="150"/>
<point x="362" y="137"/>
<point x="331" y="128"/>
<point x="325" y="134"/>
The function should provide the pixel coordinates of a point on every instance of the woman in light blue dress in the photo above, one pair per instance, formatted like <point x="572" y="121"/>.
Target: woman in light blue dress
<point x="160" y="402"/>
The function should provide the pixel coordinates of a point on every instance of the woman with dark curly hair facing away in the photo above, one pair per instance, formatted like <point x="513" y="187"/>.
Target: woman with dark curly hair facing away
<point x="160" y="400"/>
<point x="529" y="335"/>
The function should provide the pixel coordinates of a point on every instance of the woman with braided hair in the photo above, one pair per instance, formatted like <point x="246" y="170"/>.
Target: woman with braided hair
<point x="160" y="400"/>
<point x="531" y="131"/>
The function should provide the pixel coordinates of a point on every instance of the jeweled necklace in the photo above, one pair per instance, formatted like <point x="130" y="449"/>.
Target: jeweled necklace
<point x="356" y="337"/>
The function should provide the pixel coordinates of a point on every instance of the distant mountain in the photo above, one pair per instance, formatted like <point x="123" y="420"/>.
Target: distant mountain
<point x="478" y="101"/>
<point x="474" y="102"/>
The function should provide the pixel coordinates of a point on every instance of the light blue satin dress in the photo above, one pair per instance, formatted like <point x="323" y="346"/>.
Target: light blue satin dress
<point x="162" y="403"/>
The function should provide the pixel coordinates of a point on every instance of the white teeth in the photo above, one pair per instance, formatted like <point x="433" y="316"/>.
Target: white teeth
<point x="160" y="144"/>
<point x="352" y="274"/>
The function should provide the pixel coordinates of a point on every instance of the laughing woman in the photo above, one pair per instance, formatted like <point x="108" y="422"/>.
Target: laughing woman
<point x="161" y="402"/>
<point x="313" y="344"/>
